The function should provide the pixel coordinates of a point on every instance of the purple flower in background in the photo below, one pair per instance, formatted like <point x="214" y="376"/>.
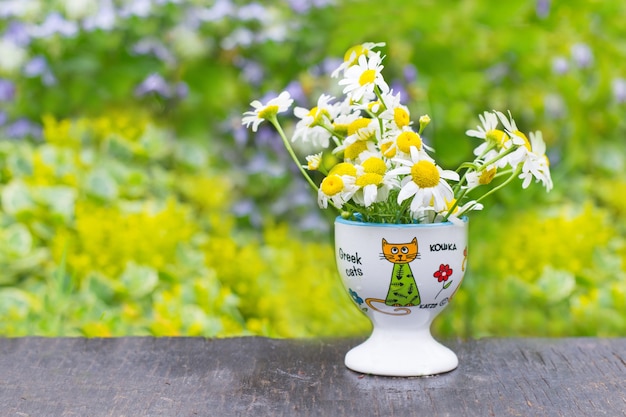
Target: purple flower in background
<point x="22" y="128"/>
<point x="251" y="71"/>
<point x="7" y="90"/>
<point x="151" y="46"/>
<point x="542" y="8"/>
<point x="253" y="11"/>
<point x="17" y="32"/>
<point x="54" y="24"/>
<point x="220" y="10"/>
<point x="238" y="37"/>
<point x="139" y="8"/>
<point x="294" y="88"/>
<point x="154" y="83"/>
<point x="397" y="86"/>
<point x="560" y="65"/>
<point x="303" y="6"/>
<point x="3" y="118"/>
<point x="619" y="90"/>
<point x="38" y="67"/>
<point x="327" y="66"/>
<point x="410" y="73"/>
<point x="104" y="19"/>
<point x="181" y="90"/>
<point x="582" y="55"/>
<point x="266" y="136"/>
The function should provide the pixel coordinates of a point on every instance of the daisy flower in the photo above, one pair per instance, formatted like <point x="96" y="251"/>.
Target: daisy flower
<point x="266" y="111"/>
<point x="482" y="177"/>
<point x="425" y="183"/>
<point x="537" y="165"/>
<point x="311" y="127"/>
<point x="362" y="134"/>
<point x="493" y="137"/>
<point x="361" y="79"/>
<point x="395" y="111"/>
<point x="337" y="189"/>
<point x="313" y="162"/>
<point x="353" y="54"/>
<point x="373" y="180"/>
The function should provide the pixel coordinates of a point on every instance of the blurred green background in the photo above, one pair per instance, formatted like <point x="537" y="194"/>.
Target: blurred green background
<point x="133" y="202"/>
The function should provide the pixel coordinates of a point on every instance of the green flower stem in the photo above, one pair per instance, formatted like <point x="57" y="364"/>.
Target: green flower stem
<point x="280" y="131"/>
<point x="380" y="96"/>
<point x="513" y="175"/>
<point x="497" y="158"/>
<point x="274" y="121"/>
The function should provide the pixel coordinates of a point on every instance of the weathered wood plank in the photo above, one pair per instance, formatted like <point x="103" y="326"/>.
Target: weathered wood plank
<point x="265" y="377"/>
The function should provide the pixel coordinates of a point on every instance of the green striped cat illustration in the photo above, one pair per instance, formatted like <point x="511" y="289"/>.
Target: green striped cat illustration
<point x="403" y="291"/>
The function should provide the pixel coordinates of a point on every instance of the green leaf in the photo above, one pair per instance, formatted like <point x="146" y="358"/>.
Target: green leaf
<point x="16" y="198"/>
<point x="14" y="303"/>
<point x="59" y="199"/>
<point x="556" y="285"/>
<point x="139" y="280"/>
<point x="17" y="240"/>
<point x="102" y="185"/>
<point x="192" y="155"/>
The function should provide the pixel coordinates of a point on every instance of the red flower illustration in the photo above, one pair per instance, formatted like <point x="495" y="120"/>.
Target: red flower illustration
<point x="444" y="273"/>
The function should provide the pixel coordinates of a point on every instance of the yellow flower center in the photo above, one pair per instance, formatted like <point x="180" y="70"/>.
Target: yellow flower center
<point x="313" y="162"/>
<point x="487" y="176"/>
<point x="332" y="185"/>
<point x="401" y="117"/>
<point x="358" y="51"/>
<point x="354" y="150"/>
<point x="317" y="115"/>
<point x="375" y="165"/>
<point x="367" y="77"/>
<point x="498" y="136"/>
<point x="343" y="168"/>
<point x="425" y="174"/>
<point x="359" y="123"/>
<point x="408" y="139"/>
<point x="268" y="112"/>
<point x="369" y="179"/>
<point x="388" y="150"/>
<point x="526" y="141"/>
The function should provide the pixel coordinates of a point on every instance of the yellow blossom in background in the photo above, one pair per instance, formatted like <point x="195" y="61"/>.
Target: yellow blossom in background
<point x="106" y="238"/>
<point x="58" y="132"/>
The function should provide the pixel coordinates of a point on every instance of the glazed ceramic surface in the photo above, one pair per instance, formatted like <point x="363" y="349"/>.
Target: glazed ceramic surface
<point x="401" y="277"/>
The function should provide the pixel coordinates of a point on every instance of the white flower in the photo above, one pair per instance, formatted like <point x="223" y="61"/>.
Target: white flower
<point x="313" y="162"/>
<point x="311" y="127"/>
<point x="336" y="188"/>
<point x="536" y="165"/>
<point x="426" y="183"/>
<point x="488" y="122"/>
<point x="373" y="179"/>
<point x="396" y="112"/>
<point x="353" y="54"/>
<point x="362" y="78"/>
<point x="362" y="134"/>
<point x="493" y="137"/>
<point x="13" y="56"/>
<point x="266" y="111"/>
<point x="482" y="177"/>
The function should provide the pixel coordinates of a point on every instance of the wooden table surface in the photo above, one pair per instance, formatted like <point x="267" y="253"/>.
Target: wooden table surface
<point x="266" y="377"/>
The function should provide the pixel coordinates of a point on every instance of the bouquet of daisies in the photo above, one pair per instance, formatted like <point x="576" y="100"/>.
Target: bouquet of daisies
<point x="382" y="171"/>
